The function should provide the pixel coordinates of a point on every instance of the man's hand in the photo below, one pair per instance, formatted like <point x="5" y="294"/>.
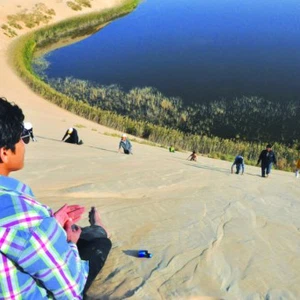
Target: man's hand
<point x="75" y="212"/>
<point x="73" y="232"/>
<point x="71" y="213"/>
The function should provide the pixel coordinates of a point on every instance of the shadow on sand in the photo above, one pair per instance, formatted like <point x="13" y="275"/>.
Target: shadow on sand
<point x="83" y="145"/>
<point x="134" y="253"/>
<point x="221" y="170"/>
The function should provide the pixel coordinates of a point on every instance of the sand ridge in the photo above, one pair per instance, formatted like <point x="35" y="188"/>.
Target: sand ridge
<point x="212" y="234"/>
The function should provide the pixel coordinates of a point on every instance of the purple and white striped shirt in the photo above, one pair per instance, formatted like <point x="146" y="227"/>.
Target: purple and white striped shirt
<point x="36" y="261"/>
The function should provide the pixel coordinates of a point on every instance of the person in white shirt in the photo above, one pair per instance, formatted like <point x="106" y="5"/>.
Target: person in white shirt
<point x="29" y="128"/>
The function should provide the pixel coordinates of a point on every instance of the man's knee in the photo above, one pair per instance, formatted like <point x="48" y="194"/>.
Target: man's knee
<point x="96" y="253"/>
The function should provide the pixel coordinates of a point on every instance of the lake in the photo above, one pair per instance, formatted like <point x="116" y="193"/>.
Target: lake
<point x="198" y="50"/>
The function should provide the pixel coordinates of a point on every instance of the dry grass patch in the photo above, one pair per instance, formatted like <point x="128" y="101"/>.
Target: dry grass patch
<point x="79" y="4"/>
<point x="74" y="6"/>
<point x="40" y="14"/>
<point x="84" y="3"/>
<point x="8" y="31"/>
<point x="79" y="126"/>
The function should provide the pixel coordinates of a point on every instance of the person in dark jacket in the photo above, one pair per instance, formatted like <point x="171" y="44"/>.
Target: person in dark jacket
<point x="71" y="137"/>
<point x="267" y="158"/>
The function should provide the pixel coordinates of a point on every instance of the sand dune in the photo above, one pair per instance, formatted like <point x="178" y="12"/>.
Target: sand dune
<point x="213" y="235"/>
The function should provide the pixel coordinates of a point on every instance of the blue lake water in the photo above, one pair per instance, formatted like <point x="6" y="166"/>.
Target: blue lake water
<point x="199" y="50"/>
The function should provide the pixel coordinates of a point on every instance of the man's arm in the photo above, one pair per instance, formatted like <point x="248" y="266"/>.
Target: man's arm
<point x="243" y="167"/>
<point x="49" y="258"/>
<point x="260" y="158"/>
<point x="65" y="135"/>
<point x="120" y="146"/>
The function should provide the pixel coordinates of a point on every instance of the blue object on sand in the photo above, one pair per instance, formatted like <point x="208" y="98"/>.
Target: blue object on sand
<point x="144" y="253"/>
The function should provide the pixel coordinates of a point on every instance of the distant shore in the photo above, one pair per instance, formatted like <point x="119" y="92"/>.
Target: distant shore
<point x="12" y="87"/>
<point x="22" y="51"/>
<point x="15" y="18"/>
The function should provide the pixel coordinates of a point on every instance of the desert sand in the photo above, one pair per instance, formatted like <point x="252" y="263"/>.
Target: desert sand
<point x="213" y="235"/>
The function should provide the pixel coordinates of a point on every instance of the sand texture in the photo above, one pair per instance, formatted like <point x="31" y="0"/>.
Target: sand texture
<point x="212" y="234"/>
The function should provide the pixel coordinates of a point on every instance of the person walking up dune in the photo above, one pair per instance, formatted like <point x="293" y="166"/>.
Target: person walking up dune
<point x="239" y="163"/>
<point x="267" y="158"/>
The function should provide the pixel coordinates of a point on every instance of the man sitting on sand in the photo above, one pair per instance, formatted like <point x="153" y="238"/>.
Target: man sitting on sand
<point x="71" y="137"/>
<point x="239" y="163"/>
<point x="125" y="144"/>
<point x="42" y="254"/>
<point x="171" y="149"/>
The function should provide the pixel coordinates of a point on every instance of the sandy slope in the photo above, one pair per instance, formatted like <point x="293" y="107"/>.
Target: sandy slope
<point x="211" y="233"/>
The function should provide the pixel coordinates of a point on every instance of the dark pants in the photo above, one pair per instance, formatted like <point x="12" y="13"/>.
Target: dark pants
<point x="126" y="151"/>
<point x="238" y="168"/>
<point x="266" y="169"/>
<point x="93" y="246"/>
<point x="73" y="138"/>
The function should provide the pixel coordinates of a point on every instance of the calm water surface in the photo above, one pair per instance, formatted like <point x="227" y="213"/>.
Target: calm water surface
<point x="199" y="50"/>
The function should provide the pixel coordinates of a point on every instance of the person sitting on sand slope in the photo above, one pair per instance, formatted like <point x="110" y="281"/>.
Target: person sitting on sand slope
<point x="29" y="128"/>
<point x="44" y="255"/>
<point x="171" y="149"/>
<point x="125" y="144"/>
<point x="193" y="156"/>
<point x="239" y="163"/>
<point x="71" y="137"/>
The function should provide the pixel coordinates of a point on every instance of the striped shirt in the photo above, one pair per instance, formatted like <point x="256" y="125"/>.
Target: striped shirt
<point x="36" y="261"/>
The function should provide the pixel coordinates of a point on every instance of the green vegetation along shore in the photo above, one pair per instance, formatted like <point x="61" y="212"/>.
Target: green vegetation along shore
<point x="164" y="133"/>
<point x="247" y="118"/>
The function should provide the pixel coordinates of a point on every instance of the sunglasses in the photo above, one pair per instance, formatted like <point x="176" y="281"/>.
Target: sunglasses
<point x="25" y="136"/>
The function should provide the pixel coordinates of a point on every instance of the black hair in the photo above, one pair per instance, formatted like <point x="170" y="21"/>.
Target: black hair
<point x="11" y="124"/>
<point x="269" y="146"/>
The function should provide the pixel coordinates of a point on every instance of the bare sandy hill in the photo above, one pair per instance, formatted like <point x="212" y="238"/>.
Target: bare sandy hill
<point x="211" y="233"/>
